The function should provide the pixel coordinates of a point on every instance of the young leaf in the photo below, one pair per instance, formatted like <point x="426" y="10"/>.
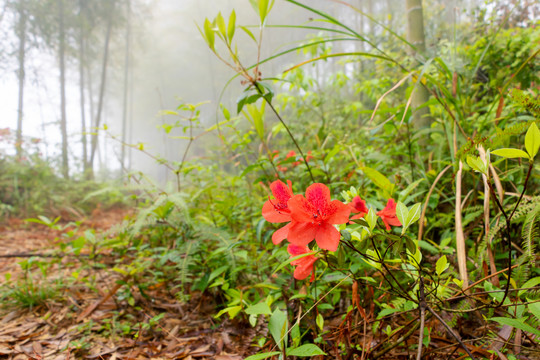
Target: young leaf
<point x="510" y="153"/>
<point x="320" y="322"/>
<point x="249" y="33"/>
<point x="232" y="26"/>
<point x="263" y="10"/>
<point x="402" y="213"/>
<point x="209" y="33"/>
<point x="371" y="219"/>
<point x="414" y="214"/>
<point x="220" y="22"/>
<point x="441" y="265"/>
<point x="476" y="164"/>
<point x="532" y="140"/>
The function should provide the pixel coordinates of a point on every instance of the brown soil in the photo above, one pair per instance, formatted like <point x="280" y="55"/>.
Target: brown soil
<point x="92" y="321"/>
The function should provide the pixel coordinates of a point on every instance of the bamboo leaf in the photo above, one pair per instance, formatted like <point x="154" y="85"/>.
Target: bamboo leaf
<point x="220" y="22"/>
<point x="232" y="26"/>
<point x="209" y="34"/>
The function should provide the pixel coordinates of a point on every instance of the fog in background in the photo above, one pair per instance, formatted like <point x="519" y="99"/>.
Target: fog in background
<point x="168" y="63"/>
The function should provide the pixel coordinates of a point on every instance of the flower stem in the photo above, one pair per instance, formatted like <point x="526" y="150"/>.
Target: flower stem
<point x="255" y="84"/>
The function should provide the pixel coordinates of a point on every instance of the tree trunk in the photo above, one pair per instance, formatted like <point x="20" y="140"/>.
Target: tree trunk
<point x="97" y="122"/>
<point x="126" y="78"/>
<point x="415" y="33"/>
<point x="63" y="120"/>
<point x="81" y="87"/>
<point x="21" y="34"/>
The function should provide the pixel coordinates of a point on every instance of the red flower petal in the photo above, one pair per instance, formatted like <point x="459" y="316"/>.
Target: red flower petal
<point x="304" y="266"/>
<point x="281" y="234"/>
<point x="301" y="209"/>
<point x="318" y="195"/>
<point x="327" y="237"/>
<point x="271" y="214"/>
<point x="358" y="205"/>
<point x="276" y="210"/>
<point x="301" y="233"/>
<point x="338" y="213"/>
<point x="295" y="250"/>
<point x="388" y="215"/>
<point x="281" y="192"/>
<point x="303" y="270"/>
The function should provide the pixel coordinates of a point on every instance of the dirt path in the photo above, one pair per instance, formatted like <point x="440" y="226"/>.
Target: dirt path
<point x="22" y="237"/>
<point x="92" y="319"/>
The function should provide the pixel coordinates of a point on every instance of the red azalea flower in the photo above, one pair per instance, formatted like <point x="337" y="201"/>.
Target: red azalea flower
<point x="388" y="215"/>
<point x="314" y="216"/>
<point x="358" y="207"/>
<point x="309" y="156"/>
<point x="304" y="265"/>
<point x="276" y="210"/>
<point x="290" y="154"/>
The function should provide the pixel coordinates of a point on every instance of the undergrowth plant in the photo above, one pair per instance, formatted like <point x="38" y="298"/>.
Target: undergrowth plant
<point x="328" y="220"/>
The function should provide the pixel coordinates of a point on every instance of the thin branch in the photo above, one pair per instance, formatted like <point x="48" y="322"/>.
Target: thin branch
<point x="450" y="331"/>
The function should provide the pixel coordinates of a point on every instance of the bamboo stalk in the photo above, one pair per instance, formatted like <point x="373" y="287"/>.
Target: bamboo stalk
<point x="491" y="256"/>
<point x="460" y="237"/>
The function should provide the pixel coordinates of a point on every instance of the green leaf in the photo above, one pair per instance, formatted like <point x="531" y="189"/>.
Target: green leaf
<point x="518" y="324"/>
<point x="257" y="309"/>
<point x="441" y="265"/>
<point x="529" y="284"/>
<point x="209" y="34"/>
<point x="232" y="26"/>
<point x="305" y="351"/>
<point x="261" y="356"/>
<point x="403" y="195"/>
<point x="379" y="180"/>
<point x="410" y="244"/>
<point x="258" y="118"/>
<point x="277" y="325"/>
<point x="264" y="8"/>
<point x="232" y="311"/>
<point x="534" y="308"/>
<point x="511" y="153"/>
<point x="414" y="214"/>
<point x="402" y="213"/>
<point x="214" y="274"/>
<point x="319" y="321"/>
<point x="371" y="219"/>
<point x="532" y="140"/>
<point x="250" y="34"/>
<point x="476" y="164"/>
<point x="220" y="22"/>
<point x="246" y="99"/>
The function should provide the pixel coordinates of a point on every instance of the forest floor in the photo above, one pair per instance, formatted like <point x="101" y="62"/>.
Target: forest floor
<point x="89" y="319"/>
<point x="75" y="307"/>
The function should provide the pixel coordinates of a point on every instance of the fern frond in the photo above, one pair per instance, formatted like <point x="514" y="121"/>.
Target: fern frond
<point x="526" y="102"/>
<point x="530" y="232"/>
